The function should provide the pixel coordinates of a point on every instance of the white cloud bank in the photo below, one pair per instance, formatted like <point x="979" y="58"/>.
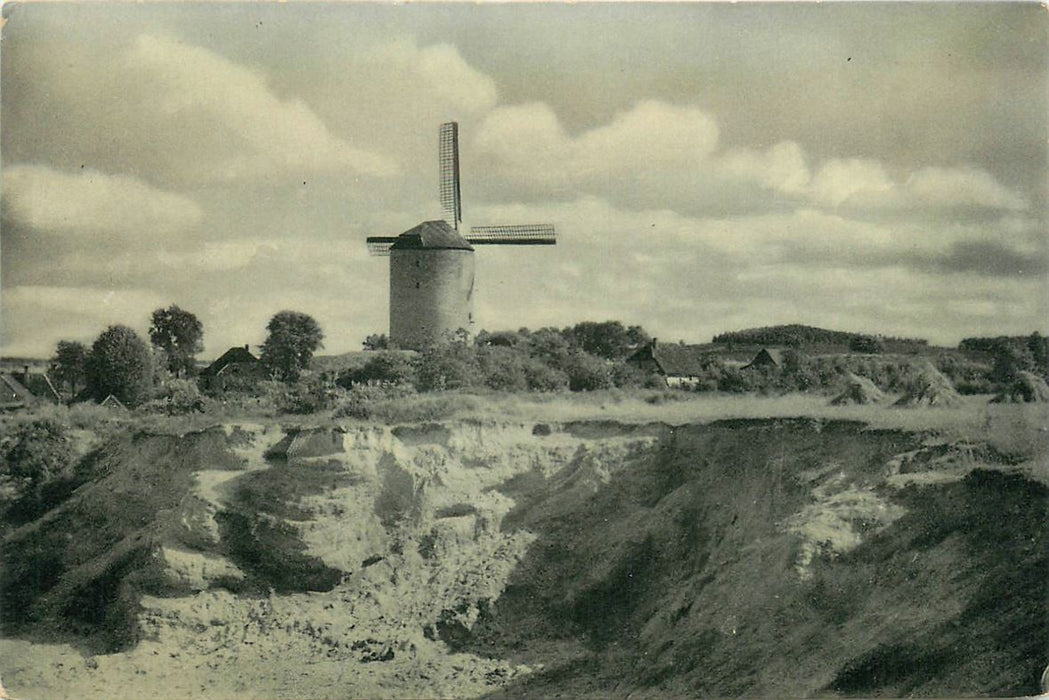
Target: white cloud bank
<point x="671" y="152"/>
<point x="274" y="133"/>
<point x="89" y="202"/>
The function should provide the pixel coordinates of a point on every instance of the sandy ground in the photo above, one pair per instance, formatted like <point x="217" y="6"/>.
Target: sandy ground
<point x="417" y="531"/>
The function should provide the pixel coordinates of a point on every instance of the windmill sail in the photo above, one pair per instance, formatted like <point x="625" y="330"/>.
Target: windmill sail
<point x="448" y="154"/>
<point x="380" y="245"/>
<point x="524" y="234"/>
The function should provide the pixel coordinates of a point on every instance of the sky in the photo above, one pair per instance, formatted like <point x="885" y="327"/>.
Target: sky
<point x="866" y="167"/>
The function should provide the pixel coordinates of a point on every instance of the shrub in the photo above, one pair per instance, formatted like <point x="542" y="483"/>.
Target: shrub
<point x="307" y="395"/>
<point x="735" y="380"/>
<point x="385" y="366"/>
<point x="360" y="400"/>
<point x="178" y="397"/>
<point x="588" y="373"/>
<point x="503" y="369"/>
<point x="449" y="366"/>
<point x="542" y="377"/>
<point x="626" y="376"/>
<point x="39" y="451"/>
<point x="415" y="409"/>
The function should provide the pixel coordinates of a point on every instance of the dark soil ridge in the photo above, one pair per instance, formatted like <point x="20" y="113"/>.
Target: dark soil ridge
<point x="682" y="584"/>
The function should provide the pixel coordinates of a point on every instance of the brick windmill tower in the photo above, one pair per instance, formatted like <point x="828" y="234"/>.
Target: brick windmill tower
<point x="432" y="264"/>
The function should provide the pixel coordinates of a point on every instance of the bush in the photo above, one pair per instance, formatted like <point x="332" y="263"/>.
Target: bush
<point x="542" y="377"/>
<point x="362" y="398"/>
<point x="588" y="373"/>
<point x="177" y="398"/>
<point x="307" y="395"/>
<point x="39" y="452"/>
<point x="449" y="366"/>
<point x="413" y="409"/>
<point x="735" y="381"/>
<point x="503" y="369"/>
<point x="385" y="366"/>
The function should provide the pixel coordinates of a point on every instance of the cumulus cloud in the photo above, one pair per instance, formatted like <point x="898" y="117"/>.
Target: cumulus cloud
<point x="652" y="137"/>
<point x="693" y="276"/>
<point x="273" y="133"/>
<point x="662" y="153"/>
<point x="90" y="202"/>
<point x="444" y="71"/>
<point x="36" y="316"/>
<point x="953" y="187"/>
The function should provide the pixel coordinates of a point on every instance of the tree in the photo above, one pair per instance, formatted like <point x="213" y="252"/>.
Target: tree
<point x="179" y="334"/>
<point x="69" y="365"/>
<point x="293" y="338"/>
<point x="120" y="364"/>
<point x="608" y="339"/>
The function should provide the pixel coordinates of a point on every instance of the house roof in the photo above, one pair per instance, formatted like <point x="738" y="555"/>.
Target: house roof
<point x="234" y="355"/>
<point x="773" y="354"/>
<point x="676" y="360"/>
<point x="112" y="402"/>
<point x="431" y="235"/>
<point x="40" y="385"/>
<point x="13" y="386"/>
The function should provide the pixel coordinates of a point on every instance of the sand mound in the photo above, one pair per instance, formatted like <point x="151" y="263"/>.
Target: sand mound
<point x="859" y="390"/>
<point x="930" y="388"/>
<point x="1026" y="388"/>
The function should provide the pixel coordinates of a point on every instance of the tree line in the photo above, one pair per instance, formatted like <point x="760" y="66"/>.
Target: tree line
<point x="121" y="364"/>
<point x="805" y="337"/>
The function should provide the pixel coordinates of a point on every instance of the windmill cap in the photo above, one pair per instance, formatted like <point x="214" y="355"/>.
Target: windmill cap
<point x="431" y="235"/>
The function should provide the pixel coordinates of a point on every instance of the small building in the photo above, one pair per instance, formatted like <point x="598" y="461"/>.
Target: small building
<point x="236" y="366"/>
<point x="14" y="394"/>
<point x="766" y="357"/>
<point x="40" y="386"/>
<point x="113" y="403"/>
<point x="678" y="365"/>
<point x="24" y="388"/>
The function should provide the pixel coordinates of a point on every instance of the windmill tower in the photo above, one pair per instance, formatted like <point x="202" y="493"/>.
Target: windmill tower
<point x="432" y="264"/>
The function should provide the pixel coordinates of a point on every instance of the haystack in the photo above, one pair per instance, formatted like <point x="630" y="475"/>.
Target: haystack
<point x="1026" y="388"/>
<point x="930" y="388"/>
<point x="859" y="391"/>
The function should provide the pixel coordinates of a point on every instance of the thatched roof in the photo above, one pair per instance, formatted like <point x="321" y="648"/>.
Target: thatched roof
<point x="674" y="360"/>
<point x="1026" y="388"/>
<point x="930" y="388"/>
<point x="13" y="393"/>
<point x="113" y="402"/>
<point x="859" y="390"/>
<point x="766" y="357"/>
<point x="235" y="355"/>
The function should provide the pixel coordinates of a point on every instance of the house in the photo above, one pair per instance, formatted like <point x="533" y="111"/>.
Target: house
<point x="113" y="402"/>
<point x="20" y="389"/>
<point x="40" y="386"/>
<point x="14" y="394"/>
<point x="679" y="365"/>
<point x="766" y="358"/>
<point x="235" y="366"/>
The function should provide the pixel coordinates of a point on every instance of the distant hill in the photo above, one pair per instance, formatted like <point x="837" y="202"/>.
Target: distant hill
<point x="814" y="339"/>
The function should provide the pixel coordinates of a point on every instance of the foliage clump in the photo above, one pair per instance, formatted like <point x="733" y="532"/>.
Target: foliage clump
<point x="120" y="364"/>
<point x="292" y="340"/>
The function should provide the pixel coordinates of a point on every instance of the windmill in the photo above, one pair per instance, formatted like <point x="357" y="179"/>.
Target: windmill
<point x="432" y="264"/>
